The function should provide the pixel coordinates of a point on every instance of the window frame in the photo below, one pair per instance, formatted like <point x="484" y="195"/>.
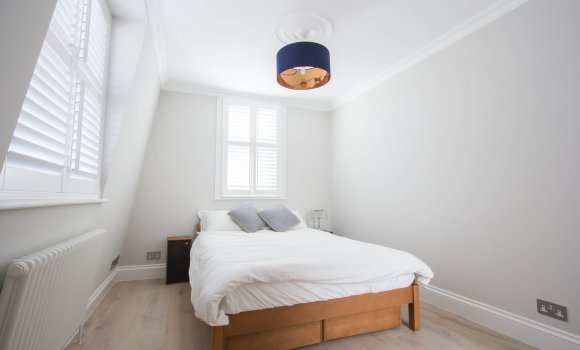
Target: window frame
<point x="221" y="193"/>
<point x="16" y="199"/>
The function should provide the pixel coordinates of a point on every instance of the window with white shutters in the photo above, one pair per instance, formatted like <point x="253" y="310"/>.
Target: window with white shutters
<point x="250" y="150"/>
<point x="55" y="148"/>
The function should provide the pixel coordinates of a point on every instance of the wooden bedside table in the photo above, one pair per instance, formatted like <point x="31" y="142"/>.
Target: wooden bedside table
<point x="177" y="259"/>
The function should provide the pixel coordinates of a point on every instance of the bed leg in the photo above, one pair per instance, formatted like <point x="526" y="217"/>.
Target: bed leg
<point x="414" y="310"/>
<point x="217" y="338"/>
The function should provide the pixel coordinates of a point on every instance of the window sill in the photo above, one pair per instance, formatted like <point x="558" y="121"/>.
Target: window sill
<point x="233" y="198"/>
<point x="39" y="203"/>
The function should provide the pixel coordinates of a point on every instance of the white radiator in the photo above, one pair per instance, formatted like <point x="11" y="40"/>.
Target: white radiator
<point x="45" y="294"/>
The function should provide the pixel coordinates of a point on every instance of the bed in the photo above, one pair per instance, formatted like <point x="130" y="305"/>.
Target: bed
<point x="283" y="290"/>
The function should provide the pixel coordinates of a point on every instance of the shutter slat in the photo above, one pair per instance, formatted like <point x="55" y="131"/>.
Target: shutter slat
<point x="22" y="161"/>
<point x="53" y="65"/>
<point x="95" y="73"/>
<point x="89" y="156"/>
<point x="37" y="111"/>
<point x="42" y="132"/>
<point x="87" y="167"/>
<point x="46" y="123"/>
<point x="50" y="95"/>
<point x="86" y="133"/>
<point x="89" y="125"/>
<point x="33" y="151"/>
<point x="93" y="114"/>
<point x="41" y="99"/>
<point x="25" y="133"/>
<point x="61" y="92"/>
<point x="97" y="41"/>
<point x="34" y="104"/>
<point x="93" y="144"/>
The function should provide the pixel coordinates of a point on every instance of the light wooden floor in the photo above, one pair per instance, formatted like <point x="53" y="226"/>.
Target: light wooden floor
<point x="150" y="315"/>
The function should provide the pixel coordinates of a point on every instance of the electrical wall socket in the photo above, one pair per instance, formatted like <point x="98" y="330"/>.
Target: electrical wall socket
<point x="154" y="255"/>
<point x="556" y="311"/>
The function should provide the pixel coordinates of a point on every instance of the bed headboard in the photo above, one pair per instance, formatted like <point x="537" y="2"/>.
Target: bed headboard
<point x="197" y="227"/>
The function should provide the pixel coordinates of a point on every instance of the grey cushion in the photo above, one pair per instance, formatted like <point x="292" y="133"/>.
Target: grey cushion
<point x="279" y="218"/>
<point x="246" y="216"/>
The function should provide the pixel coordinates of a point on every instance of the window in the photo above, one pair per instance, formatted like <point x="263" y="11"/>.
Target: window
<point x="56" y="146"/>
<point x="250" y="148"/>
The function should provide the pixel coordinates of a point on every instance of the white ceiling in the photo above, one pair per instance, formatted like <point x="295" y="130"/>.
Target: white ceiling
<point x="229" y="46"/>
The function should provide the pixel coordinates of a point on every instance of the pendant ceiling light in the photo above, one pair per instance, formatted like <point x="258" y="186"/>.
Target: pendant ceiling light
<point x="303" y="64"/>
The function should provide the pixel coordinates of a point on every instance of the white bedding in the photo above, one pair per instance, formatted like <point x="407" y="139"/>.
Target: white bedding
<point x="233" y="271"/>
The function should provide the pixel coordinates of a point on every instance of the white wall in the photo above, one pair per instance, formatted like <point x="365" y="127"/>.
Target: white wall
<point x="178" y="174"/>
<point x="470" y="160"/>
<point x="129" y="152"/>
<point x="26" y="230"/>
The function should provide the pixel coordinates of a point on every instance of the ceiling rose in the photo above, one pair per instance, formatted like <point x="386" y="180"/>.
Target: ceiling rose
<point x="303" y="26"/>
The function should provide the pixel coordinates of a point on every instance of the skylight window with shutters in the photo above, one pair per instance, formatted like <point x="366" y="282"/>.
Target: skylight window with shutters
<point x="56" y="146"/>
<point x="250" y="160"/>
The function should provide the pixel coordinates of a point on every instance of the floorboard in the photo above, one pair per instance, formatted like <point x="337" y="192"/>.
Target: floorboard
<point x="149" y="315"/>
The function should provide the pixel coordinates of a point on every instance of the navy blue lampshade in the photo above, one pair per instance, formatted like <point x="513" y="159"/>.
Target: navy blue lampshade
<point x="303" y="65"/>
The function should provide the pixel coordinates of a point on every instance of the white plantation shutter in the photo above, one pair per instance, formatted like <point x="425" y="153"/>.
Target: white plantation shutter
<point x="251" y="161"/>
<point x="237" y="167"/>
<point x="37" y="156"/>
<point x="266" y="150"/>
<point x="85" y="135"/>
<point x="238" y="123"/>
<point x="89" y="94"/>
<point x="266" y="169"/>
<point x="95" y="31"/>
<point x="56" y="143"/>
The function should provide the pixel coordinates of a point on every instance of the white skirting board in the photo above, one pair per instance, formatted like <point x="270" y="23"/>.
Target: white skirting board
<point x="140" y="272"/>
<point x="521" y="328"/>
<point x="96" y="298"/>
<point x="99" y="294"/>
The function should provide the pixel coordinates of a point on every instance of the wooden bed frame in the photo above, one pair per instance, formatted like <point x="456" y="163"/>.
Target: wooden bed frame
<point x="290" y="327"/>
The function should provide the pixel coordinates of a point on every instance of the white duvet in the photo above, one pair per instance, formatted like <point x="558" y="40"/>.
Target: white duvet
<point x="264" y="265"/>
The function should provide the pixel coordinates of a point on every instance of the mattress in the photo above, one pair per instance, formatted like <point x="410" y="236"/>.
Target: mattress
<point x="235" y="271"/>
<point x="258" y="296"/>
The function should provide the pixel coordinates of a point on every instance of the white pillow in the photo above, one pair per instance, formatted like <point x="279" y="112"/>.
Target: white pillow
<point x="302" y="225"/>
<point x="216" y="220"/>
